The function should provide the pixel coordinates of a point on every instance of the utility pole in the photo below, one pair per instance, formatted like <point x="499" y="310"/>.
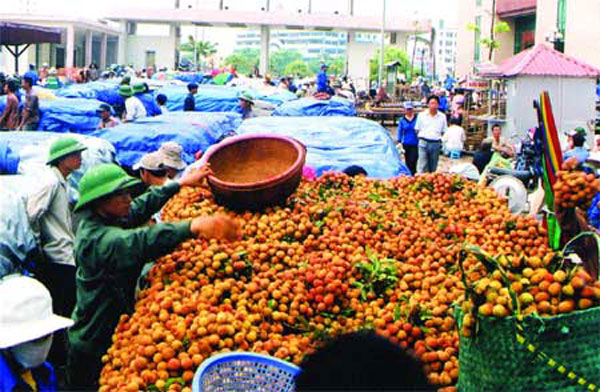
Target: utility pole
<point x="382" y="57"/>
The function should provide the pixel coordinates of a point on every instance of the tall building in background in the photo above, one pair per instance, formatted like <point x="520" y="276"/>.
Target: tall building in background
<point x="445" y="49"/>
<point x="311" y="44"/>
<point x="569" y="26"/>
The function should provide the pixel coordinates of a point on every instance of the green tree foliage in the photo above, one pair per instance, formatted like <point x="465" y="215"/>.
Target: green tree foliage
<point x="203" y="49"/>
<point x="244" y="60"/>
<point x="297" y="68"/>
<point x="390" y="55"/>
<point x="336" y="65"/>
<point x="280" y="59"/>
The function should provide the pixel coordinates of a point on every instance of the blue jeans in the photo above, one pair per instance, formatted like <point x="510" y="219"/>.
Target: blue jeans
<point x="429" y="152"/>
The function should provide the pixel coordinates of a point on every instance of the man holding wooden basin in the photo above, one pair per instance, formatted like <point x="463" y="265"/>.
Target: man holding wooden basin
<point x="111" y="247"/>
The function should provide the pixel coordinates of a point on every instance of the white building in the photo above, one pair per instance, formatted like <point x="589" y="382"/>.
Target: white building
<point x="445" y="50"/>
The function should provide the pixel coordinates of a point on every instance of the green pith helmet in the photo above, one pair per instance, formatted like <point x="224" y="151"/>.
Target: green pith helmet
<point x="246" y="96"/>
<point x="125" y="90"/>
<point x="103" y="180"/>
<point x="139" y="88"/>
<point x="63" y="147"/>
<point x="52" y="83"/>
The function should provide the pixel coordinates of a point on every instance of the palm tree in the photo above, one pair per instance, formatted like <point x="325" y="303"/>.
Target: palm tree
<point x="198" y="49"/>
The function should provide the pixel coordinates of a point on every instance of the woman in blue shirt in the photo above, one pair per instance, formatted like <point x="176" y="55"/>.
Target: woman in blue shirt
<point x="408" y="137"/>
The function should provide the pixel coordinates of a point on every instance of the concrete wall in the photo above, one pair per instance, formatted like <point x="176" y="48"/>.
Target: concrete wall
<point x="583" y="31"/>
<point x="358" y="55"/>
<point x="507" y="43"/>
<point x="137" y="46"/>
<point x="572" y="103"/>
<point x="545" y="20"/>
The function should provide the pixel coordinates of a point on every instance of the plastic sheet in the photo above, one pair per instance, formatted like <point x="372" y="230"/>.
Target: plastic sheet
<point x="278" y="97"/>
<point x="334" y="143"/>
<point x="102" y="91"/>
<point x="314" y="107"/>
<point x="193" y="131"/>
<point x="33" y="148"/>
<point x="18" y="241"/>
<point x="9" y="160"/>
<point x="69" y="115"/>
<point x="150" y="104"/>
<point x="208" y="99"/>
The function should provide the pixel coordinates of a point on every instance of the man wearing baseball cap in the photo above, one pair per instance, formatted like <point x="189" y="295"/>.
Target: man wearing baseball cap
<point x="322" y="79"/>
<point x="27" y="324"/>
<point x="576" y="140"/>
<point x="152" y="171"/>
<point x="112" y="245"/>
<point x="106" y="118"/>
<point x="171" y="159"/>
<point x="189" y="105"/>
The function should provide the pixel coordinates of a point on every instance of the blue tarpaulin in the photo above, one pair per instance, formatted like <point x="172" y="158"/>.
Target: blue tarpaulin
<point x="277" y="98"/>
<point x="18" y="241"/>
<point x="334" y="143"/>
<point x="316" y="107"/>
<point x="208" y="99"/>
<point x="33" y="148"/>
<point x="9" y="160"/>
<point x="69" y="115"/>
<point x="193" y="131"/>
<point x="107" y="92"/>
<point x="150" y="104"/>
<point x="66" y="114"/>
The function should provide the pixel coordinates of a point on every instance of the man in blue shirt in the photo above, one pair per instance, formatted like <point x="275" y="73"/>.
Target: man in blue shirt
<point x="407" y="136"/>
<point x="577" y="137"/>
<point x="32" y="73"/>
<point x="449" y="82"/>
<point x="322" y="79"/>
<point x="444" y="106"/>
<point x="189" y="105"/>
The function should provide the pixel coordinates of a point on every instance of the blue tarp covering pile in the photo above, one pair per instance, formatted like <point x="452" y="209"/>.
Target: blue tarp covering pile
<point x="193" y="131"/>
<point x="208" y="99"/>
<point x="315" y="107"/>
<point x="278" y="98"/>
<point x="66" y="114"/>
<point x="69" y="115"/>
<point x="334" y="143"/>
<point x="32" y="148"/>
<point x="18" y="241"/>
<point x="102" y="91"/>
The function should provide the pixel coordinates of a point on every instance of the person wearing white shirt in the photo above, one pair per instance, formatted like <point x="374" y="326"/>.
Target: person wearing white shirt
<point x="134" y="108"/>
<point x="431" y="126"/>
<point x="454" y="138"/>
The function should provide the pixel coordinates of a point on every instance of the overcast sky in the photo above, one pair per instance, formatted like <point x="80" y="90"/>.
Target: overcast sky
<point x="427" y="9"/>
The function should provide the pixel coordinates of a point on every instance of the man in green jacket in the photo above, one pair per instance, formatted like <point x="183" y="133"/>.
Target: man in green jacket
<point x="111" y="247"/>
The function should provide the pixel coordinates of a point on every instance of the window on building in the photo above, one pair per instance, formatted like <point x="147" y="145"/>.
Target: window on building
<point x="478" y="3"/>
<point x="477" y="54"/>
<point x="562" y="25"/>
<point x="524" y="32"/>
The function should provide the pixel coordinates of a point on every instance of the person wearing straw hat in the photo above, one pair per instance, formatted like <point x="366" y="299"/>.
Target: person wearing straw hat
<point x="106" y="119"/>
<point x="27" y="325"/>
<point x="51" y="220"/>
<point x="111" y="247"/>
<point x="245" y="105"/>
<point x="134" y="108"/>
<point x="172" y="161"/>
